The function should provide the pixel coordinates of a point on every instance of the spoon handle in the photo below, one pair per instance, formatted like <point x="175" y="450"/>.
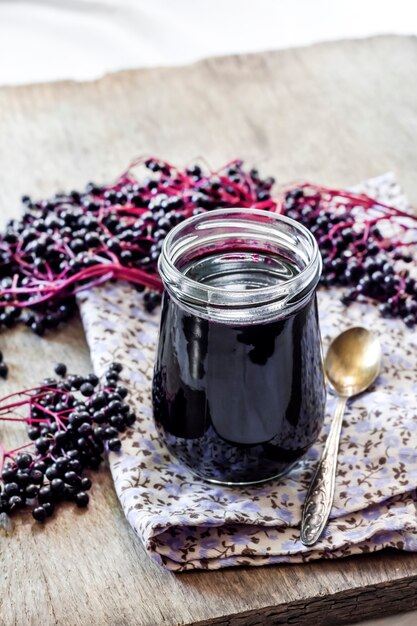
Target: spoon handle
<point x="319" y="499"/>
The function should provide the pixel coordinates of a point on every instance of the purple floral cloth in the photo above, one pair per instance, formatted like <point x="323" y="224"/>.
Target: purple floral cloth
<point x="185" y="523"/>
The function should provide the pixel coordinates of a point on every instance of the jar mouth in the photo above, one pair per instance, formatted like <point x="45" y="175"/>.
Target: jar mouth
<point x="253" y="230"/>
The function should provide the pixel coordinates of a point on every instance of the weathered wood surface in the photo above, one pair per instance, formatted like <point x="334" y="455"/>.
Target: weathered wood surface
<point x="334" y="113"/>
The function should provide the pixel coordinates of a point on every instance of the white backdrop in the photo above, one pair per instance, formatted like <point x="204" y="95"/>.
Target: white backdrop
<point x="42" y="40"/>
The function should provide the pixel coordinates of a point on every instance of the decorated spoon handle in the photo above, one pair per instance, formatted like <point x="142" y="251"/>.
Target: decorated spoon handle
<point x="319" y="498"/>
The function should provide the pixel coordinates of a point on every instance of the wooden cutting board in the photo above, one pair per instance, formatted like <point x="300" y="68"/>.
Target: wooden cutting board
<point x="334" y="113"/>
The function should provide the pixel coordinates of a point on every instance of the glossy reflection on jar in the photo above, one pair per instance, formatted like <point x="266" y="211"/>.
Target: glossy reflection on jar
<point x="238" y="389"/>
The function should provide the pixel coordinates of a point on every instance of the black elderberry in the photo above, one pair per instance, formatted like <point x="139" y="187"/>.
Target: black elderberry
<point x="118" y="422"/>
<point x="33" y="432"/>
<point x="36" y="476"/>
<point x="94" y="462"/>
<point x="61" y="464"/>
<point x="364" y="285"/>
<point x="125" y="409"/>
<point x="40" y="466"/>
<point x="52" y="472"/>
<point x="57" y="486"/>
<point x="75" y="419"/>
<point x="87" y="389"/>
<point x="9" y="474"/>
<point x="151" y="300"/>
<point x="61" y="369"/>
<point x="100" y="433"/>
<point x="4" y="506"/>
<point x="73" y="454"/>
<point x="353" y="272"/>
<point x="23" y="477"/>
<point x="38" y="328"/>
<point x="76" y="382"/>
<point x="114" y="445"/>
<point x="111" y="381"/>
<point x="69" y="492"/>
<point x="16" y="502"/>
<point x="11" y="489"/>
<point x="81" y="499"/>
<point x="377" y="277"/>
<point x="4" y="370"/>
<point x="85" y="483"/>
<point x="92" y="379"/>
<point x="110" y="432"/>
<point x="83" y="444"/>
<point x="100" y="417"/>
<point x="31" y="491"/>
<point x="99" y="400"/>
<point x="85" y="429"/>
<point x="121" y="391"/>
<point x="130" y="419"/>
<point x="23" y="460"/>
<point x="61" y="437"/>
<point x="71" y="478"/>
<point x="387" y="268"/>
<point x="45" y="494"/>
<point x="39" y="514"/>
<point x="113" y="407"/>
<point x="49" y="508"/>
<point x="389" y="283"/>
<point x="74" y="465"/>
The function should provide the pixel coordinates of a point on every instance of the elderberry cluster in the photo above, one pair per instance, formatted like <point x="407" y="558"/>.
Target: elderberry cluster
<point x="357" y="255"/>
<point x="72" y="423"/>
<point x="79" y="239"/>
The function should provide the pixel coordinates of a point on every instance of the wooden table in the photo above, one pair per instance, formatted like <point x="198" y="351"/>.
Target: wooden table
<point x="334" y="113"/>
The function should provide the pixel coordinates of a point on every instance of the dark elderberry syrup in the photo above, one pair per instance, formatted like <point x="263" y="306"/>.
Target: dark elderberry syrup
<point x="238" y="391"/>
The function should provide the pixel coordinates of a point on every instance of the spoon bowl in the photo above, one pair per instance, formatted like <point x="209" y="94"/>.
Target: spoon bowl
<point x="353" y="361"/>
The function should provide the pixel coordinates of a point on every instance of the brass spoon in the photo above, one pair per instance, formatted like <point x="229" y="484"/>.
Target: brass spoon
<point x="352" y="363"/>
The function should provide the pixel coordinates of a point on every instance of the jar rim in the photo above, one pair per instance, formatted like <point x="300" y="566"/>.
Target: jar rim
<point x="188" y="290"/>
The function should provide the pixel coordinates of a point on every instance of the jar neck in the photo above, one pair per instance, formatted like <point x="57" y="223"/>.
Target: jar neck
<point x="249" y="232"/>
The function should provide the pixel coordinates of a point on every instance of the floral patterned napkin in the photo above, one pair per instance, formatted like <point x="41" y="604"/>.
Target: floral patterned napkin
<point x="185" y="523"/>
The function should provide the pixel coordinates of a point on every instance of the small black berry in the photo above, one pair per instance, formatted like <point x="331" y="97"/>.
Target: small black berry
<point x="16" y="502"/>
<point x="114" y="444"/>
<point x="49" y="508"/>
<point x="87" y="389"/>
<point x="39" y="514"/>
<point x="60" y="369"/>
<point x="82" y="499"/>
<point x="31" y="491"/>
<point x="85" y="483"/>
<point x="11" y="489"/>
<point x="23" y="460"/>
<point x="4" y="370"/>
<point x="71" y="478"/>
<point x="57" y="485"/>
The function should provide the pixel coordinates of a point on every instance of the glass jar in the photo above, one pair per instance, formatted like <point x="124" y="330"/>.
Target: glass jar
<point x="238" y="389"/>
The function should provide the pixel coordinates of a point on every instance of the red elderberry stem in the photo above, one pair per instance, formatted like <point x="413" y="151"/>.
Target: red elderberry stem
<point x="9" y="453"/>
<point x="27" y="420"/>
